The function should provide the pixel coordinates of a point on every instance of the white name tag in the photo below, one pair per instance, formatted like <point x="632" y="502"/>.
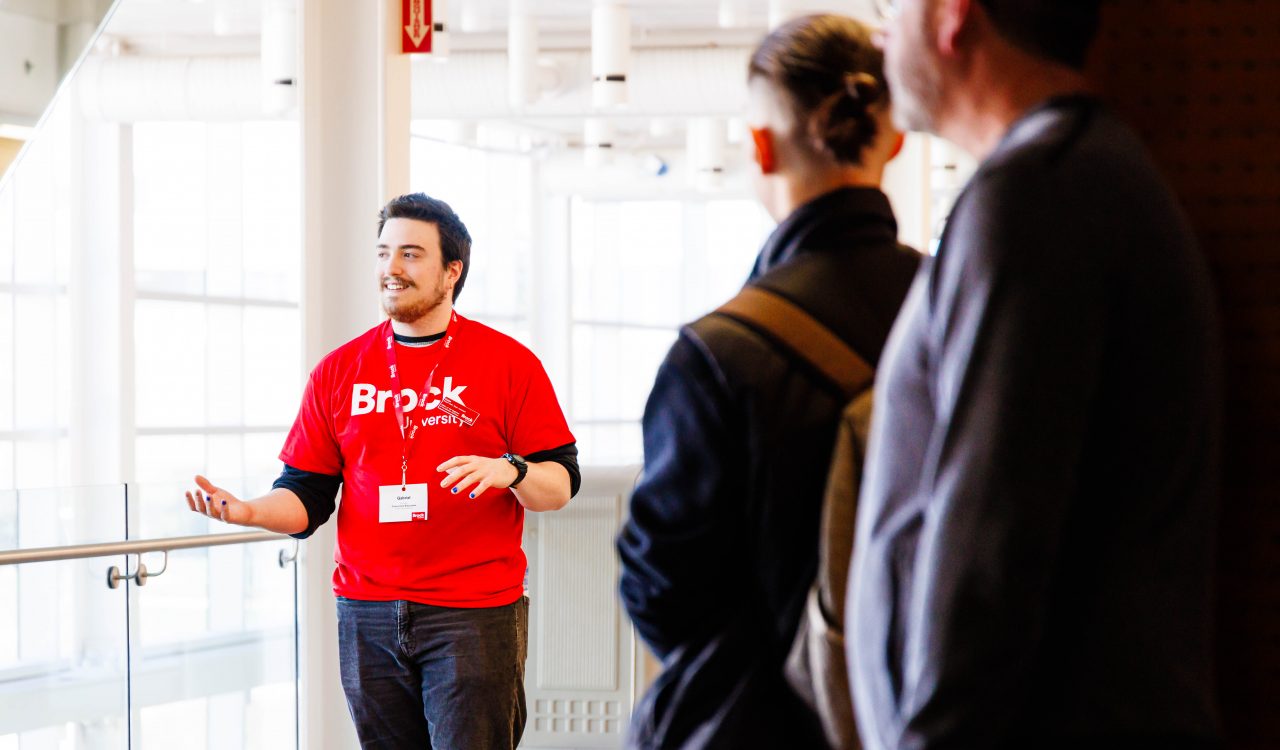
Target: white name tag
<point x="398" y="503"/>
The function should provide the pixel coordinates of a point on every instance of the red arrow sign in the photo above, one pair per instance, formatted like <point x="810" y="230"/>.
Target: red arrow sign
<point x="416" y="17"/>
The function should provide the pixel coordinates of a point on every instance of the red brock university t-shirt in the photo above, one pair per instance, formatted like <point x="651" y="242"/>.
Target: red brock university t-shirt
<point x="467" y="552"/>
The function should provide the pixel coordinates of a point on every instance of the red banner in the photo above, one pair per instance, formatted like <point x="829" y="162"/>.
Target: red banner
<point x="416" y="23"/>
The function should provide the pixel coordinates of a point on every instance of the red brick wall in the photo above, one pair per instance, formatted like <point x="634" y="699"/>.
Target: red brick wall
<point x="1200" y="79"/>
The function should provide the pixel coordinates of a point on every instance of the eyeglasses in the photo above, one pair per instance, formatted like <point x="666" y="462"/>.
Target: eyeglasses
<point x="886" y="10"/>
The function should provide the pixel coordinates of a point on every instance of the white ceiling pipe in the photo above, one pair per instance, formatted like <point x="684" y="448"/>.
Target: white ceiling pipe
<point x="279" y="45"/>
<point x="599" y="139"/>
<point x="664" y="82"/>
<point x="672" y="82"/>
<point x="708" y="152"/>
<point x="125" y="89"/>
<point x="440" y="30"/>
<point x="522" y="56"/>
<point x="610" y="53"/>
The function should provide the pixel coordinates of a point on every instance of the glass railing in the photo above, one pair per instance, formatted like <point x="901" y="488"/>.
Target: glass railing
<point x="199" y="651"/>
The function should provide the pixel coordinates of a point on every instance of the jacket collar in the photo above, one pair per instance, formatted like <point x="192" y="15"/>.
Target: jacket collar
<point x="826" y="223"/>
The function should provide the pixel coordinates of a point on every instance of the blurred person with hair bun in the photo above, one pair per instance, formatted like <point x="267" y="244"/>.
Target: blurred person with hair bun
<point x="721" y="546"/>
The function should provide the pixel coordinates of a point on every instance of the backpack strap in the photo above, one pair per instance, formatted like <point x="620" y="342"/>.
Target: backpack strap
<point x="803" y="335"/>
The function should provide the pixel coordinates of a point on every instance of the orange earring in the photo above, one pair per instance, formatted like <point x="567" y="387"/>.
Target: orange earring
<point x="764" y="149"/>
<point x="897" y="147"/>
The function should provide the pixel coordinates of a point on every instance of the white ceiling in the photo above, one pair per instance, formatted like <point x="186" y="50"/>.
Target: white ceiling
<point x="482" y="21"/>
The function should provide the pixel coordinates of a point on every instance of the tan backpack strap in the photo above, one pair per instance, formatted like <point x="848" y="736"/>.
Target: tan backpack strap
<point x="804" y="335"/>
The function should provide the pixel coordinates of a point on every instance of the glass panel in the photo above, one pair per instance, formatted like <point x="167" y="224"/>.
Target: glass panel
<point x="214" y="661"/>
<point x="63" y="678"/>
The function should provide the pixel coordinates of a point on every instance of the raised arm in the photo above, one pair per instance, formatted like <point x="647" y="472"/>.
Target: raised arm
<point x="546" y="485"/>
<point x="280" y="510"/>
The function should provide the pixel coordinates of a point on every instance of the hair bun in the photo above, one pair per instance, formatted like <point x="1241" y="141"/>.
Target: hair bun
<point x="862" y="88"/>
<point x="831" y="73"/>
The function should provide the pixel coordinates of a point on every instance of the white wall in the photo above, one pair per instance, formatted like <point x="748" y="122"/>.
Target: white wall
<point x="24" y="91"/>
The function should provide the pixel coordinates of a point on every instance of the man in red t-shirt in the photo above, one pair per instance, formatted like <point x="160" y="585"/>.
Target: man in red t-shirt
<point x="441" y="432"/>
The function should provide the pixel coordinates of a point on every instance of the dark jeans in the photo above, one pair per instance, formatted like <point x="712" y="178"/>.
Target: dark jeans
<point x="447" y="678"/>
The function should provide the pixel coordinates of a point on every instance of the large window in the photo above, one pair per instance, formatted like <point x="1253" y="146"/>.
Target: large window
<point x="204" y="322"/>
<point x="217" y="383"/>
<point x="216" y="320"/>
<point x="35" y="323"/>
<point x="642" y="268"/>
<point x="492" y="192"/>
<point x="633" y="272"/>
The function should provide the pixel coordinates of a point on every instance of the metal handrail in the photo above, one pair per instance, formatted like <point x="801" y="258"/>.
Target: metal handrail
<point x="135" y="547"/>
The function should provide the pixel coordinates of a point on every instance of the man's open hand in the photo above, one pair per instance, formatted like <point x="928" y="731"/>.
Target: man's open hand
<point x="216" y="502"/>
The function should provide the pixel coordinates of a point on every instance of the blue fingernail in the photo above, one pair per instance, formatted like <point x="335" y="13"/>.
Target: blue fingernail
<point x="473" y="496"/>
<point x="224" y="502"/>
<point x="454" y="490"/>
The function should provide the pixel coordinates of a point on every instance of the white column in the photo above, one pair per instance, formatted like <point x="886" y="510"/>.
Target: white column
<point x="354" y="95"/>
<point x="101" y="429"/>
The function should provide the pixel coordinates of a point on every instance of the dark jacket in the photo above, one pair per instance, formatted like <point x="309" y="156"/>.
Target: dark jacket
<point x="1034" y="548"/>
<point x="721" y="544"/>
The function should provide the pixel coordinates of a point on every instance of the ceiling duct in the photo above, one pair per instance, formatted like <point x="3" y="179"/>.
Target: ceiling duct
<point x="671" y="82"/>
<point x="279" y="52"/>
<point x="440" y="30"/>
<point x="664" y="82"/>
<point x="610" y="54"/>
<point x="125" y="89"/>
<point x="522" y="56"/>
<point x="599" y="139"/>
<point x="708" y="152"/>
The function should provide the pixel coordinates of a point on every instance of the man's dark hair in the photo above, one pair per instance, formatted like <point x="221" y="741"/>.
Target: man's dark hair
<point x="831" y="73"/>
<point x="455" y="241"/>
<point x="1057" y="30"/>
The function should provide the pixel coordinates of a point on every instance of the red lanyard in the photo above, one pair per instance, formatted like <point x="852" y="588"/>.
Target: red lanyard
<point x="408" y="430"/>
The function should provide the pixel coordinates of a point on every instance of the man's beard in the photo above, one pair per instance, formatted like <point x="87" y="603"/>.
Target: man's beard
<point x="411" y="311"/>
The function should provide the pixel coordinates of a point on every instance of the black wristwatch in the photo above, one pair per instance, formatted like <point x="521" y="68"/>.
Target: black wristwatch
<point x="522" y="467"/>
